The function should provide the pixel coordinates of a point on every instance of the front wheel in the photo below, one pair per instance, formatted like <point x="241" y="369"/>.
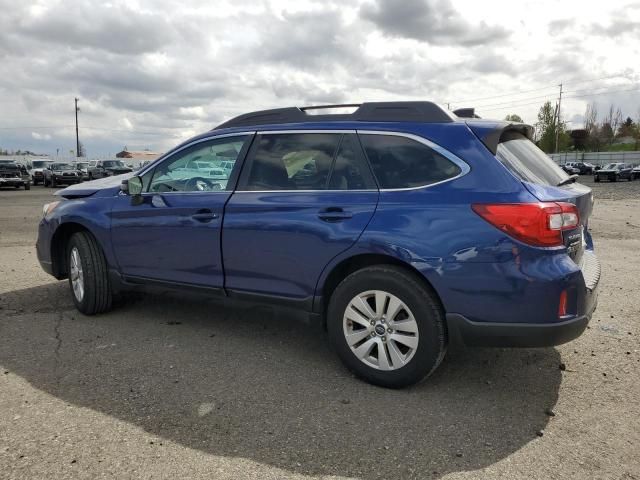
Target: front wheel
<point x="88" y="274"/>
<point x="387" y="326"/>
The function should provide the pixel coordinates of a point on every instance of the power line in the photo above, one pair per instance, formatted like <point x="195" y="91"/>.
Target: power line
<point x="538" y="89"/>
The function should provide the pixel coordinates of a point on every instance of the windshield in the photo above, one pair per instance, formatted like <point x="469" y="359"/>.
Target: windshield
<point x="40" y="163"/>
<point x="611" y="166"/>
<point x="527" y="162"/>
<point x="81" y="165"/>
<point x="61" y="166"/>
<point x="113" y="163"/>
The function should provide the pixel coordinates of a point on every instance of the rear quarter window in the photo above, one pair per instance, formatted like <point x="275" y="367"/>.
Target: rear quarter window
<point x="527" y="162"/>
<point x="401" y="162"/>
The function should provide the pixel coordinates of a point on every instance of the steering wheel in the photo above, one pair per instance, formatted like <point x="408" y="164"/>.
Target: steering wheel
<point x="200" y="184"/>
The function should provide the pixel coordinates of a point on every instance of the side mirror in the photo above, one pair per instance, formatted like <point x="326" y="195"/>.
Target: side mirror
<point x="132" y="186"/>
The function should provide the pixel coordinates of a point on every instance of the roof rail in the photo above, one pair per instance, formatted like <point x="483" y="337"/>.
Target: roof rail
<point x="427" y="112"/>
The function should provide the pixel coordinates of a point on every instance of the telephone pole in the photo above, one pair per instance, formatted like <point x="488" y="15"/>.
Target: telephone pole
<point x="558" y="119"/>
<point x="77" y="138"/>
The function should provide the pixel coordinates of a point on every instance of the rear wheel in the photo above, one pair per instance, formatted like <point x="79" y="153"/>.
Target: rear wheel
<point x="386" y="326"/>
<point x="88" y="274"/>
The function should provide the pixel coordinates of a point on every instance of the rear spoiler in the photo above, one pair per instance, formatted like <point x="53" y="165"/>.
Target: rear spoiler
<point x="492" y="133"/>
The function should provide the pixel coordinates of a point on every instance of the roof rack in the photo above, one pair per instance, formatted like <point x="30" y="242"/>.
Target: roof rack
<point x="427" y="112"/>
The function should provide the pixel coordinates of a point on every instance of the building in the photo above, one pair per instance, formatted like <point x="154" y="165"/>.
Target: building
<point x="137" y="157"/>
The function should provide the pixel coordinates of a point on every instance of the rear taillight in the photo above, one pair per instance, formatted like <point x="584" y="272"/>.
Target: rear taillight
<point x="538" y="224"/>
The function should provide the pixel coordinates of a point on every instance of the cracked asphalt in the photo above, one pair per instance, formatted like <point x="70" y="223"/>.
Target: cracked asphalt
<point x="177" y="387"/>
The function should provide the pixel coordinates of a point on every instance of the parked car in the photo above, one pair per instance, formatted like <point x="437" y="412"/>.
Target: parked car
<point x="400" y="227"/>
<point x="13" y="174"/>
<point x="82" y="168"/>
<point x="614" y="172"/>
<point x="107" y="168"/>
<point x="60" y="173"/>
<point x="37" y="170"/>
<point x="635" y="172"/>
<point x="583" y="167"/>
<point x="570" y="170"/>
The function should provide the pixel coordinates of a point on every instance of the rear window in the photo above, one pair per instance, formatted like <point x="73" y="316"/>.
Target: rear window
<point x="527" y="162"/>
<point x="400" y="162"/>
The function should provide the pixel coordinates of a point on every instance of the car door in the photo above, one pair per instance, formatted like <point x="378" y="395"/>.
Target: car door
<point x="302" y="199"/>
<point x="171" y="233"/>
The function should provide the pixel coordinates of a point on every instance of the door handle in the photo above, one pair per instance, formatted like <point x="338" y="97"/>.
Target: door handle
<point x="334" y="214"/>
<point x="204" y="215"/>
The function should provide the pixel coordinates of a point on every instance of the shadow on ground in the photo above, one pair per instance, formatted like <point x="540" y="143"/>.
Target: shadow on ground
<point x="259" y="384"/>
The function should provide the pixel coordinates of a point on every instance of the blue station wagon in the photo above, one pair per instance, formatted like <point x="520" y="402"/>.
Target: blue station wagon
<point x="400" y="226"/>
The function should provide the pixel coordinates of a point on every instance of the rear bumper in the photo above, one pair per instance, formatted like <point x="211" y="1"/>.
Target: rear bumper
<point x="543" y="334"/>
<point x="484" y="334"/>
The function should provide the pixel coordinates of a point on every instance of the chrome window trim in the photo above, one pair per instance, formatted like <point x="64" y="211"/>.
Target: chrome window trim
<point x="160" y="160"/>
<point x="464" y="167"/>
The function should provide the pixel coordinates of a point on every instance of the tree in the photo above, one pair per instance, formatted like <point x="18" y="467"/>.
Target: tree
<point x="513" y="118"/>
<point x="546" y="128"/>
<point x="627" y="127"/>
<point x="610" y="124"/>
<point x="591" y="127"/>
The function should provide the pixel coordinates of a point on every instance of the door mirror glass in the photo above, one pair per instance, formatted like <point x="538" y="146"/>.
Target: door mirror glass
<point x="132" y="186"/>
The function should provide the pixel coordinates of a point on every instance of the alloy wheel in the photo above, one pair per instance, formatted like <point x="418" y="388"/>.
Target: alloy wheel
<point x="76" y="274"/>
<point x="380" y="330"/>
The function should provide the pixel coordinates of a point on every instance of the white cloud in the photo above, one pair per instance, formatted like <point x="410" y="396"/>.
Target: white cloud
<point x="41" y="136"/>
<point x="150" y="72"/>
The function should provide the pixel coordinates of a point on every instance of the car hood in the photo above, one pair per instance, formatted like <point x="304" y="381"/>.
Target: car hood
<point x="85" y="189"/>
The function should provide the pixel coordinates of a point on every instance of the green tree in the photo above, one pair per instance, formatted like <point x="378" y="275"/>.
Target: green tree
<point x="546" y="128"/>
<point x="512" y="117"/>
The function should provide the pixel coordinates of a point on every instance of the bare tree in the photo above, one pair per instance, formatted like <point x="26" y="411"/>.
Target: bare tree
<point x="616" y="121"/>
<point x="610" y="123"/>
<point x="591" y="126"/>
<point x="591" y="118"/>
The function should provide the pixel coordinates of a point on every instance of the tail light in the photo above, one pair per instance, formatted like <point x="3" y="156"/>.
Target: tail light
<point x="537" y="224"/>
<point x="562" y="305"/>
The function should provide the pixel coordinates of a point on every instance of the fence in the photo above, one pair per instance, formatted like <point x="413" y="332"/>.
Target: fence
<point x="596" y="158"/>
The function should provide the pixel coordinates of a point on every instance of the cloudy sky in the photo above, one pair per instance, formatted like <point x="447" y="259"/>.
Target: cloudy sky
<point x="152" y="73"/>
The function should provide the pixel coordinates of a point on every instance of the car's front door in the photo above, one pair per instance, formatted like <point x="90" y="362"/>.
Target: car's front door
<point x="172" y="233"/>
<point x="302" y="199"/>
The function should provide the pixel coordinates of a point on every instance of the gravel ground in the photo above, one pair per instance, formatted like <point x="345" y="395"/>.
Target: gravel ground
<point x="172" y="388"/>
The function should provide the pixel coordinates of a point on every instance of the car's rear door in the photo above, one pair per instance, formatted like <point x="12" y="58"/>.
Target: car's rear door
<point x="172" y="233"/>
<point x="302" y="199"/>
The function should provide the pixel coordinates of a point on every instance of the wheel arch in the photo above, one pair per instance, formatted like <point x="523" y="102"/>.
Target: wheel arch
<point x="59" y="242"/>
<point x="347" y="266"/>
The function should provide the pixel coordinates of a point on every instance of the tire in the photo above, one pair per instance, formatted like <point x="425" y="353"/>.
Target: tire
<point x="615" y="179"/>
<point x="27" y="186"/>
<point x="90" y="176"/>
<point x="53" y="183"/>
<point x="421" y="305"/>
<point x="596" y="179"/>
<point x="96" y="296"/>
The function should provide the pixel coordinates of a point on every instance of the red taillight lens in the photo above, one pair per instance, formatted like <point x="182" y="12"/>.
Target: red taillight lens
<point x="538" y="224"/>
<point x="562" y="306"/>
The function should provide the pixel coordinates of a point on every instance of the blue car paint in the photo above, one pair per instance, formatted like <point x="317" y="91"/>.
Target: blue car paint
<point x="275" y="244"/>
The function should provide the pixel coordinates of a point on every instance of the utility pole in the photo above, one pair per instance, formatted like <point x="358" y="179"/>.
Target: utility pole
<point x="558" y="119"/>
<point x="77" y="138"/>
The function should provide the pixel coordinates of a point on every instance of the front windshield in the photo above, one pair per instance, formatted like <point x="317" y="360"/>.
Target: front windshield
<point x="40" y="163"/>
<point x="113" y="163"/>
<point x="610" y="166"/>
<point x="81" y="165"/>
<point x="61" y="166"/>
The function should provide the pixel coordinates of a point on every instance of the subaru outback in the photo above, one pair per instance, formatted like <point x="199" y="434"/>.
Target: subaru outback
<point x="400" y="226"/>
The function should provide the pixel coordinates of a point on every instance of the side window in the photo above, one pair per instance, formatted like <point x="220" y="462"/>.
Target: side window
<point x="292" y="161"/>
<point x="401" y="162"/>
<point x="203" y="167"/>
<point x="350" y="169"/>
